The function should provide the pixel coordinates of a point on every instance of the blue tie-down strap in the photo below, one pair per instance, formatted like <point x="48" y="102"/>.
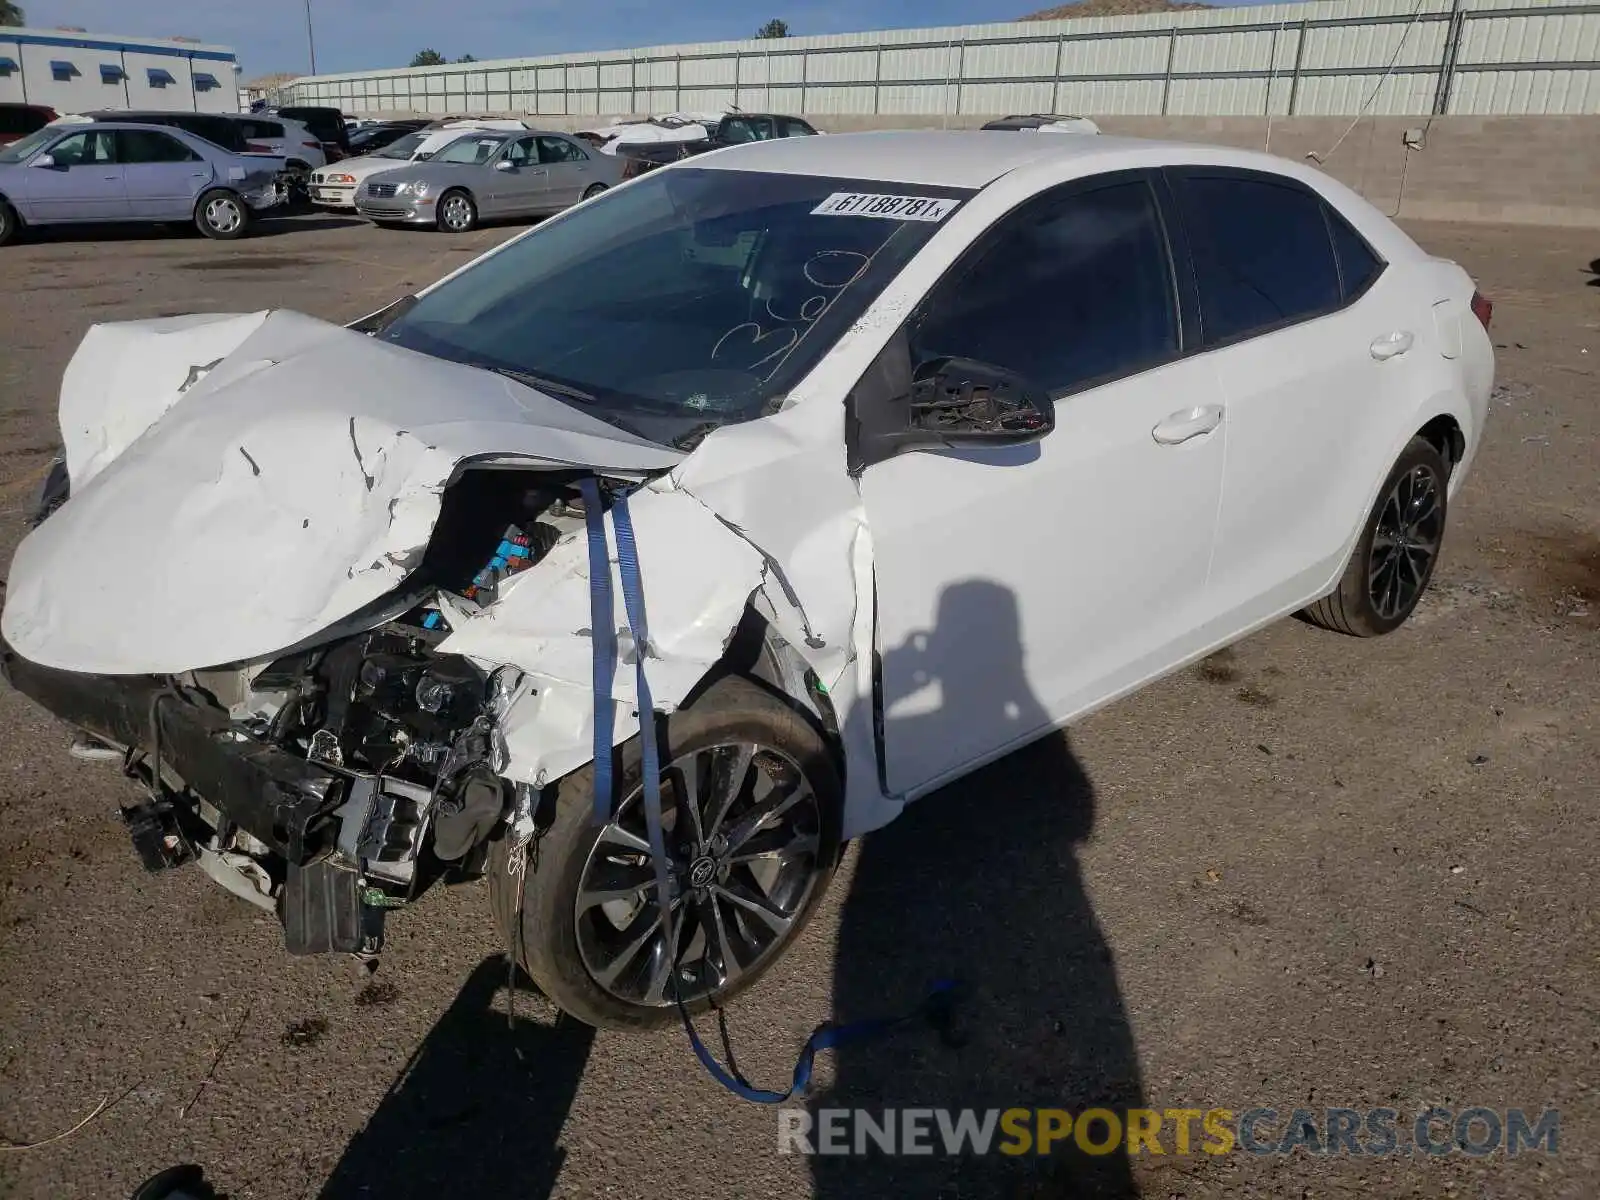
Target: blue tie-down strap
<point x="633" y="604"/>
<point x="936" y="1008"/>
<point x="602" y="626"/>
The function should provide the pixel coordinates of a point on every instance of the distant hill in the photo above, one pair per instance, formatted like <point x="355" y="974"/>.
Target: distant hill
<point x="1111" y="8"/>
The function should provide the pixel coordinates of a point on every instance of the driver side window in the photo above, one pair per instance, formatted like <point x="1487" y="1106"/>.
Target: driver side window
<point x="523" y="152"/>
<point x="1072" y="290"/>
<point x="83" y="149"/>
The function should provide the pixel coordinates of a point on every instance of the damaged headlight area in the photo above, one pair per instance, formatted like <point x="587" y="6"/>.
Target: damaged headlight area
<point x="345" y="776"/>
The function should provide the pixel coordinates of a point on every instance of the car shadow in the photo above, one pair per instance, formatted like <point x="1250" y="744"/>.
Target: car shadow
<point x="275" y="225"/>
<point x="477" y="1111"/>
<point x="271" y="225"/>
<point x="980" y="882"/>
<point x="1594" y="273"/>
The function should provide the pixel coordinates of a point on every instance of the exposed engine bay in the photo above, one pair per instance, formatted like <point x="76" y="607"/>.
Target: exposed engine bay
<point x="410" y="733"/>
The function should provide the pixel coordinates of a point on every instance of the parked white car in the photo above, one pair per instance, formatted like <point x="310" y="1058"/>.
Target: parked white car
<point x="925" y="444"/>
<point x="335" y="186"/>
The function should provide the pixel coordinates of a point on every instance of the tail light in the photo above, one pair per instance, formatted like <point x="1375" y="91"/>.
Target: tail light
<point x="1482" y="308"/>
<point x="633" y="167"/>
<point x="256" y="148"/>
<point x="312" y="145"/>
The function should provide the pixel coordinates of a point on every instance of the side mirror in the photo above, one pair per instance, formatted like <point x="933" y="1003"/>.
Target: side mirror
<point x="44" y="160"/>
<point x="943" y="403"/>
<point x="505" y="164"/>
<point x="954" y="402"/>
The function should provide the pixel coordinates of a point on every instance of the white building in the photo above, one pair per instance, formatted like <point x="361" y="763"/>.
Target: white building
<point x="79" y="72"/>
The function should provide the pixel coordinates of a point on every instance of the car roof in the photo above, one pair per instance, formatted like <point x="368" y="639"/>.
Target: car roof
<point x="961" y="158"/>
<point x="130" y="123"/>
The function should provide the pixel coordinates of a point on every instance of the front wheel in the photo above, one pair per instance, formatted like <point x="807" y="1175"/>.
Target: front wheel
<point x="222" y="215"/>
<point x="9" y="224"/>
<point x="457" y="213"/>
<point x="751" y="803"/>
<point x="1396" y="553"/>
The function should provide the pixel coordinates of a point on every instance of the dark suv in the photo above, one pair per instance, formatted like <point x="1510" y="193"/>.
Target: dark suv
<point x="19" y="120"/>
<point x="219" y="130"/>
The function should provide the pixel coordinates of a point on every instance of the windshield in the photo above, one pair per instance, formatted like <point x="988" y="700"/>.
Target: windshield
<point x="689" y="299"/>
<point x="401" y="147"/>
<point x="23" y="147"/>
<point x="470" y="150"/>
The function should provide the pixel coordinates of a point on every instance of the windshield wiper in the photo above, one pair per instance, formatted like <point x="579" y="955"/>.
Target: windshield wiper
<point x="564" y="390"/>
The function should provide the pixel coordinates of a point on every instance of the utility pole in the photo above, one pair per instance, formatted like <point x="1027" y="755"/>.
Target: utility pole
<point x="311" y="41"/>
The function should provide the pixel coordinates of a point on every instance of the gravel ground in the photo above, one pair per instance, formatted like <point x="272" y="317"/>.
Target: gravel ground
<point x="1311" y="872"/>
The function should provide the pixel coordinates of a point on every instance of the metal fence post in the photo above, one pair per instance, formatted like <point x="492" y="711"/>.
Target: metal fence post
<point x="877" y="78"/>
<point x="1061" y="62"/>
<point x="1447" y="63"/>
<point x="1294" y="75"/>
<point x="961" y="69"/>
<point x="1166" y="76"/>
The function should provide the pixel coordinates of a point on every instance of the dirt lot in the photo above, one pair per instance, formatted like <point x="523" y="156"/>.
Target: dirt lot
<point x="1312" y="872"/>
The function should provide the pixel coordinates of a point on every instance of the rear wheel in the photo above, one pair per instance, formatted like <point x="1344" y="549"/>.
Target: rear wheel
<point x="222" y="215"/>
<point x="594" y="190"/>
<point x="456" y="212"/>
<point x="1395" y="556"/>
<point x="750" y="811"/>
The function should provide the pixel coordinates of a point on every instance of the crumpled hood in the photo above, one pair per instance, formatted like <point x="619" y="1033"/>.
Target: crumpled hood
<point x="296" y="480"/>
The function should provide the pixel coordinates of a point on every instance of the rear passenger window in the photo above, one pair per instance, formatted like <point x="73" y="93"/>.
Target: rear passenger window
<point x="1075" y="290"/>
<point x="1358" y="265"/>
<point x="1262" y="254"/>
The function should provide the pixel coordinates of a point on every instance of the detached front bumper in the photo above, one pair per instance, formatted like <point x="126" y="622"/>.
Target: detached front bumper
<point x="207" y="777"/>
<point x="406" y="210"/>
<point x="282" y="800"/>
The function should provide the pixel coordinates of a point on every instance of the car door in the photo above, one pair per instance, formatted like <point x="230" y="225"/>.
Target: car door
<point x="518" y="182"/>
<point x="84" y="183"/>
<point x="569" y="169"/>
<point x="1018" y="588"/>
<point x="162" y="175"/>
<point x="1310" y="356"/>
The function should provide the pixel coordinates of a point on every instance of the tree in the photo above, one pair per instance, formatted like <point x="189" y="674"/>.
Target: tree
<point x="774" y="29"/>
<point x="11" y="14"/>
<point x="423" y="58"/>
<point x="467" y="58"/>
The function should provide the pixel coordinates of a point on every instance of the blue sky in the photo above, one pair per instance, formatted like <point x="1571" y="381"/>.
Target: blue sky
<point x="352" y="35"/>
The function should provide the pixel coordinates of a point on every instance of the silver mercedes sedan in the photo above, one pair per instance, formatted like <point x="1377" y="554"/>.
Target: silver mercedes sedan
<point x="487" y="176"/>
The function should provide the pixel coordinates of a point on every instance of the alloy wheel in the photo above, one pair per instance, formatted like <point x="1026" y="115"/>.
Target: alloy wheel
<point x="1405" y="542"/>
<point x="743" y="829"/>
<point x="223" y="214"/>
<point x="457" y="212"/>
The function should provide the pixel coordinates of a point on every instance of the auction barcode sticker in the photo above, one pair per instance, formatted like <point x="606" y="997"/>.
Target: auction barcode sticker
<point x="895" y="208"/>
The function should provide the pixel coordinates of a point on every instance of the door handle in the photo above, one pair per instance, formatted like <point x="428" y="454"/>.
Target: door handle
<point x="1391" y="345"/>
<point x="1188" y="423"/>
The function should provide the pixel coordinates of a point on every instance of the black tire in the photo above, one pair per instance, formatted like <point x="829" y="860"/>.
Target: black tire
<point x="546" y="937"/>
<point x="1381" y="586"/>
<point x="594" y="190"/>
<point x="222" y="215"/>
<point x="456" y="200"/>
<point x="10" y="224"/>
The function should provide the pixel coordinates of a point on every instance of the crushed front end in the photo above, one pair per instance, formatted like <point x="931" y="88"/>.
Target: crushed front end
<point x="341" y="778"/>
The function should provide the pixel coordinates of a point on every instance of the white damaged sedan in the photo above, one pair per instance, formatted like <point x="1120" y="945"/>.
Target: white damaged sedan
<point x="856" y="462"/>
